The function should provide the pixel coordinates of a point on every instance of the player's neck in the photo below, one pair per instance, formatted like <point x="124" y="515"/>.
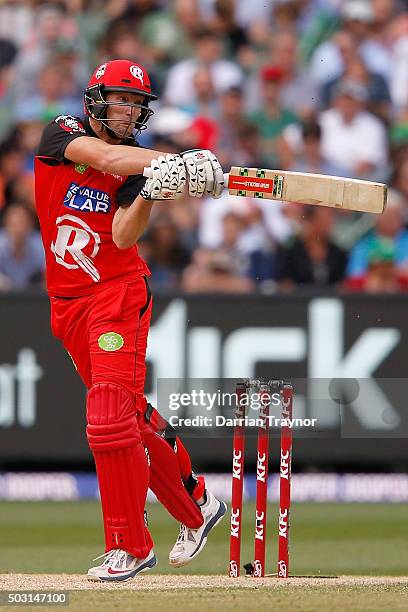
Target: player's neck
<point x="101" y="132"/>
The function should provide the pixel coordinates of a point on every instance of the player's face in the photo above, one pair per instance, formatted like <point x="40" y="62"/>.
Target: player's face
<point x="122" y="113"/>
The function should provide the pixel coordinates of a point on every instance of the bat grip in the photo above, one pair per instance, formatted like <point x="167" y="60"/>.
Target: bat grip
<point x="148" y="173"/>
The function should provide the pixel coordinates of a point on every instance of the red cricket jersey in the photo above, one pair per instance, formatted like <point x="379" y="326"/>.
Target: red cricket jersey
<point x="75" y="206"/>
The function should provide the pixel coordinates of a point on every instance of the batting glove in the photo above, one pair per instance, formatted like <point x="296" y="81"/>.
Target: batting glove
<point x="205" y="175"/>
<point x="168" y="178"/>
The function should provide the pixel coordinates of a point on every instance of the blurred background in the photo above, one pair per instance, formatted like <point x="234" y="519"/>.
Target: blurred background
<point x="243" y="287"/>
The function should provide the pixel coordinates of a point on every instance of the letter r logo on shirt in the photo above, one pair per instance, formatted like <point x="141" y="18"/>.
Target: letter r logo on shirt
<point x="75" y="247"/>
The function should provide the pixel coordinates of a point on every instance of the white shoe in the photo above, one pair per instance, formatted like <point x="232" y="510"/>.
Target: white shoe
<point x="120" y="565"/>
<point x="190" y="542"/>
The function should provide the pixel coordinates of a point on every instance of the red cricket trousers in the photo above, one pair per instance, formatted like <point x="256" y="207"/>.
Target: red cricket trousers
<point x="106" y="337"/>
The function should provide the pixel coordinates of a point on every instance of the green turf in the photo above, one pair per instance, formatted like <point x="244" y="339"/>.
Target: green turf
<point x="387" y="598"/>
<point x="214" y="600"/>
<point x="359" y="539"/>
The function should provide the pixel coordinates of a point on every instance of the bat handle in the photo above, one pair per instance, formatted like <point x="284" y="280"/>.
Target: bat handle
<point x="147" y="173"/>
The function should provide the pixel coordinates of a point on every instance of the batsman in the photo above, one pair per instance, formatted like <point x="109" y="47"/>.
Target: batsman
<point x="93" y="204"/>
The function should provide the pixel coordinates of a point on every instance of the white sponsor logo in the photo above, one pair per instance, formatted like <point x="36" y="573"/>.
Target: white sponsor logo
<point x="235" y="522"/>
<point x="18" y="390"/>
<point x="233" y="569"/>
<point x="283" y="570"/>
<point x="283" y="523"/>
<point x="71" y="242"/>
<point x="204" y="352"/>
<point x="137" y="72"/>
<point x="236" y="464"/>
<point x="259" y="525"/>
<point x="261" y="467"/>
<point x="285" y="408"/>
<point x="284" y="464"/>
<point x="100" y="72"/>
<point x="257" y="568"/>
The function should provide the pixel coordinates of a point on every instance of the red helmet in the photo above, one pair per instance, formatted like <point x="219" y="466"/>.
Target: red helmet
<point x="118" y="75"/>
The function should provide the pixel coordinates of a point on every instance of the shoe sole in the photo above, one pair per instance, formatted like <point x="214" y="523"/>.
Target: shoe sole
<point x="150" y="564"/>
<point x="213" y="523"/>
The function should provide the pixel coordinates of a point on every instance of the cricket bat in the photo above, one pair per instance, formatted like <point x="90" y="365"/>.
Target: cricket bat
<point x="316" y="189"/>
<point x="305" y="188"/>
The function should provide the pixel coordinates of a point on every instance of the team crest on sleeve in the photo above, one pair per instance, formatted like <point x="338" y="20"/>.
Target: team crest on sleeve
<point x="70" y="124"/>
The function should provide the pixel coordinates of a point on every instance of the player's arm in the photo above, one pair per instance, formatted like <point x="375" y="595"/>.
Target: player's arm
<point x="65" y="138"/>
<point x="130" y="223"/>
<point x="115" y="159"/>
<point x="166" y="183"/>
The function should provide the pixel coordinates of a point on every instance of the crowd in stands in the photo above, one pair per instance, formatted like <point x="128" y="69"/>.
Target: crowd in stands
<point x="306" y="85"/>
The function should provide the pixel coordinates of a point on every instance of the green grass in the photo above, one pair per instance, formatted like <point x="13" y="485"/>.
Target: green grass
<point x="264" y="599"/>
<point x="357" y="599"/>
<point x="354" y="539"/>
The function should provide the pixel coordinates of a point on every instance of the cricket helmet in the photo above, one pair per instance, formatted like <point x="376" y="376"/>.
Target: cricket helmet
<point x="118" y="75"/>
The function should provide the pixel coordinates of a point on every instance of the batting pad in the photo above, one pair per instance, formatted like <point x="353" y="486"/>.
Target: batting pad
<point x="165" y="475"/>
<point x="121" y="465"/>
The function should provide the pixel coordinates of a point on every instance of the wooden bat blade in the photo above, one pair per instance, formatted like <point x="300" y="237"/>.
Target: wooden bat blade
<point x="315" y="189"/>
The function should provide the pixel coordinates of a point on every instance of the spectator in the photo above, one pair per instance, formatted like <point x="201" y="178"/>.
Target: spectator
<point x="214" y="272"/>
<point x="255" y="263"/>
<point x="328" y="60"/>
<point x="169" y="33"/>
<point x="16" y="19"/>
<point x="208" y="51"/>
<point x="398" y="34"/>
<point x="379" y="101"/>
<point x="130" y="13"/>
<point x="16" y="182"/>
<point x="231" y="123"/>
<point x="179" y="130"/>
<point x="271" y="118"/>
<point x="248" y="13"/>
<point x="21" y="251"/>
<point x="318" y="21"/>
<point x="51" y="99"/>
<point x="376" y="51"/>
<point x="351" y="136"/>
<point x="233" y="227"/>
<point x="51" y="26"/>
<point x="312" y="259"/>
<point x="8" y="53"/>
<point x="205" y="97"/>
<point x="298" y="91"/>
<point x="265" y="222"/>
<point x="400" y="179"/>
<point x="123" y="42"/>
<point x="309" y="154"/>
<point x="389" y="227"/>
<point x="248" y="150"/>
<point x="224" y="24"/>
<point x="399" y="129"/>
<point x="28" y="134"/>
<point x="167" y="257"/>
<point x="382" y="274"/>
